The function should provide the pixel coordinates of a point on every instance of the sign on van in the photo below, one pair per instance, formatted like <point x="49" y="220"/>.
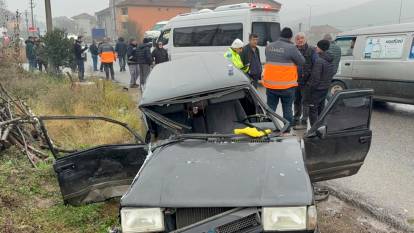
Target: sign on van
<point x="384" y="47"/>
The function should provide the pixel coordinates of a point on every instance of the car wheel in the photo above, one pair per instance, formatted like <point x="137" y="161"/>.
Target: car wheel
<point x="335" y="87"/>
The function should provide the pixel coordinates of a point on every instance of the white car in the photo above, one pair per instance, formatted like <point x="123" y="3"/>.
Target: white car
<point x="156" y="30"/>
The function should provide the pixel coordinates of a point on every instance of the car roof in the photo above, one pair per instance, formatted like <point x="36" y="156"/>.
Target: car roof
<point x="191" y="75"/>
<point x="393" y="28"/>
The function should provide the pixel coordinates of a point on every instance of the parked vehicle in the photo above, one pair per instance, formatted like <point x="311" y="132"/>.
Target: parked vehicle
<point x="155" y="31"/>
<point x="215" y="30"/>
<point x="381" y="58"/>
<point x="195" y="174"/>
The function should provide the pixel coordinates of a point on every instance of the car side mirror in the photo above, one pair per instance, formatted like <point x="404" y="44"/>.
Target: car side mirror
<point x="321" y="131"/>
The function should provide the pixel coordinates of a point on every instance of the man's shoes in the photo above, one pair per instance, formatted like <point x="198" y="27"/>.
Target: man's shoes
<point x="295" y="122"/>
<point x="133" y="86"/>
<point x="302" y="125"/>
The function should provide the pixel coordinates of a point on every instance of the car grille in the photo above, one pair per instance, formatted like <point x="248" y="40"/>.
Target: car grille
<point x="188" y="216"/>
<point x="240" y="225"/>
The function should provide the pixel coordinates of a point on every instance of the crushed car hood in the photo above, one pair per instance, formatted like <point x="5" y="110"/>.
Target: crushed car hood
<point x="207" y="174"/>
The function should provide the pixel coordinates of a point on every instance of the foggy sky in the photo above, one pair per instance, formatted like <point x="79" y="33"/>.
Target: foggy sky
<point x="291" y="9"/>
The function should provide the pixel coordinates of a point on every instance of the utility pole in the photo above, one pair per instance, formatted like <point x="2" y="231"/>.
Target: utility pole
<point x="310" y="17"/>
<point x="300" y="27"/>
<point x="49" y="23"/>
<point x="32" y="6"/>
<point x="26" y="19"/>
<point x="114" y="13"/>
<point x="399" y="17"/>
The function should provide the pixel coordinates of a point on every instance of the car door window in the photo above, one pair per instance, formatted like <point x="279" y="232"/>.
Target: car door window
<point x="346" y="44"/>
<point x="349" y="114"/>
<point x="165" y="36"/>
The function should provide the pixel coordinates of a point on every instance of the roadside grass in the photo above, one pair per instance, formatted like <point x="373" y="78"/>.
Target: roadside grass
<point x="30" y="200"/>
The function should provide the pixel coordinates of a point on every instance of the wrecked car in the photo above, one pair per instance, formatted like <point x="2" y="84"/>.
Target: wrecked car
<point x="194" y="173"/>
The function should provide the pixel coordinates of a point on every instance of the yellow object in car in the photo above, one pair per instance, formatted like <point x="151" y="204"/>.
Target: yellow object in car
<point x="252" y="132"/>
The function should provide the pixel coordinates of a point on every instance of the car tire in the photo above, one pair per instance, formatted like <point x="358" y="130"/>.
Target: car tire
<point x="335" y="87"/>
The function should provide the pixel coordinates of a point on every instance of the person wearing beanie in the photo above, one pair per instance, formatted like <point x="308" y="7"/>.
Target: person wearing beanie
<point x="233" y="55"/>
<point x="281" y="73"/>
<point x="334" y="50"/>
<point x="320" y="80"/>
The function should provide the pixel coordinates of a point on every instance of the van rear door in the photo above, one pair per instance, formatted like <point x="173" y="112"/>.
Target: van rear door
<point x="347" y="58"/>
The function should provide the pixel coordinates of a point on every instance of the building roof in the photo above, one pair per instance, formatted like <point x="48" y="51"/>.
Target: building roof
<point x="157" y="3"/>
<point x="84" y="16"/>
<point x="392" y="28"/>
<point x="189" y="76"/>
<point x="103" y="11"/>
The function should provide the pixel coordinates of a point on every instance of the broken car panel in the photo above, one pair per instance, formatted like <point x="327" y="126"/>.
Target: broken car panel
<point x="200" y="176"/>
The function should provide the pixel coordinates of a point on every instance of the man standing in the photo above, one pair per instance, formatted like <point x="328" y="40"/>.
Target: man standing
<point x="133" y="63"/>
<point x="320" y="80"/>
<point x="80" y="57"/>
<point x="160" y="54"/>
<point x="31" y="53"/>
<point x="302" y="94"/>
<point x="144" y="60"/>
<point x="94" y="53"/>
<point x="233" y="55"/>
<point x="108" y="57"/>
<point x="251" y="58"/>
<point x="281" y="73"/>
<point x="41" y="57"/>
<point x="334" y="51"/>
<point x="121" y="50"/>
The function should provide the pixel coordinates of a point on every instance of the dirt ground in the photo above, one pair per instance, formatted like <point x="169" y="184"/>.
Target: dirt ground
<point x="336" y="216"/>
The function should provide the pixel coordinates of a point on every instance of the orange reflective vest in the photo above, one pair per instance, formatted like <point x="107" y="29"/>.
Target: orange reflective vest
<point x="107" y="53"/>
<point x="280" y="75"/>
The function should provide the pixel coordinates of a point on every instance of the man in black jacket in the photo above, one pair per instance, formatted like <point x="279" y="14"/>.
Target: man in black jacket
<point x="133" y="63"/>
<point x="80" y="57"/>
<point x="251" y="58"/>
<point x="302" y="95"/>
<point x="160" y="54"/>
<point x="144" y="59"/>
<point x="320" y="80"/>
<point x="93" y="49"/>
<point x="121" y="50"/>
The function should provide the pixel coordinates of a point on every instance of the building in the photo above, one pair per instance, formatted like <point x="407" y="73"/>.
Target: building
<point x="146" y="13"/>
<point x="105" y="20"/>
<point x="85" y="22"/>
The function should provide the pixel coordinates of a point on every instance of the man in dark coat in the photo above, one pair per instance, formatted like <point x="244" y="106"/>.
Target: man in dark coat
<point x="320" y="80"/>
<point x="121" y="50"/>
<point x="133" y="63"/>
<point x="31" y="53"/>
<point x="251" y="58"/>
<point x="334" y="51"/>
<point x="302" y="95"/>
<point x="160" y="54"/>
<point x="93" y="49"/>
<point x="144" y="59"/>
<point x="80" y="57"/>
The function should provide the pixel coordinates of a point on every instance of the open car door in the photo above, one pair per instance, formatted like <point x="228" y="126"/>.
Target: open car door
<point x="337" y="144"/>
<point x="100" y="172"/>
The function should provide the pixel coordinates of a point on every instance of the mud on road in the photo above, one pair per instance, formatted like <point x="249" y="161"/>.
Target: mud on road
<point x="336" y="216"/>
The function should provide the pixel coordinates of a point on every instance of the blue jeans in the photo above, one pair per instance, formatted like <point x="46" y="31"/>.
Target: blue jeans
<point x="286" y="96"/>
<point x="81" y="68"/>
<point x="95" y="62"/>
<point x="32" y="64"/>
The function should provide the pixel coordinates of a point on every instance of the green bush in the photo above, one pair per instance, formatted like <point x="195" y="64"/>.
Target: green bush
<point x="59" y="49"/>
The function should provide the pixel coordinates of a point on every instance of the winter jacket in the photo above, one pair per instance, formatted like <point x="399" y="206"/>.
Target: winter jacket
<point x="144" y="54"/>
<point x="322" y="72"/>
<point x="40" y="50"/>
<point x="282" y="59"/>
<point x="132" y="54"/>
<point x="107" y="53"/>
<point x="121" y="48"/>
<point x="30" y="50"/>
<point x="234" y="57"/>
<point x="305" y="70"/>
<point x="78" y="50"/>
<point x="94" y="50"/>
<point x="160" y="55"/>
<point x="335" y="52"/>
<point x="248" y="58"/>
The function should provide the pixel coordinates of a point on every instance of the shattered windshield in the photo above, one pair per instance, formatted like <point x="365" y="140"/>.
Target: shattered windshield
<point x="229" y="113"/>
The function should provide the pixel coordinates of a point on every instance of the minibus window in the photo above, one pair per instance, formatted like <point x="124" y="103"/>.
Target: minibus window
<point x="210" y="35"/>
<point x="346" y="44"/>
<point x="267" y="32"/>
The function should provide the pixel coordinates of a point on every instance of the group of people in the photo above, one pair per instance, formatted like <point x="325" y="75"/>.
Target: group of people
<point x="295" y="73"/>
<point x="139" y="58"/>
<point x="36" y="54"/>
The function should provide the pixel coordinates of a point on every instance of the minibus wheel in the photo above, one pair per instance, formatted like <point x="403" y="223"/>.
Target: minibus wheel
<point x="335" y="87"/>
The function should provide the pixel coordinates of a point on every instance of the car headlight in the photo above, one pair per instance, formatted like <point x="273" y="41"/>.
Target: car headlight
<point x="135" y="220"/>
<point x="289" y="218"/>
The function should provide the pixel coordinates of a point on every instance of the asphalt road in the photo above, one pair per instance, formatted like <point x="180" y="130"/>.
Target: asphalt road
<point x="385" y="184"/>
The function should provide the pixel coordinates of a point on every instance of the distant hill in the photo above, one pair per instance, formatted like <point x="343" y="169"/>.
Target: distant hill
<point x="376" y="12"/>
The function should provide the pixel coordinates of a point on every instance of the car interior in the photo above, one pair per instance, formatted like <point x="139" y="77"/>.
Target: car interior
<point x="219" y="115"/>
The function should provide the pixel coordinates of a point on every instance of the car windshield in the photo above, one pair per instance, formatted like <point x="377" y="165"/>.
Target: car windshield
<point x="158" y="27"/>
<point x="217" y="114"/>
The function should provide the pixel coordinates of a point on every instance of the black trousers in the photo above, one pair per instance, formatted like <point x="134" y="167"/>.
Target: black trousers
<point x="255" y="79"/>
<point x="109" y="68"/>
<point x="301" y="104"/>
<point x="317" y="105"/>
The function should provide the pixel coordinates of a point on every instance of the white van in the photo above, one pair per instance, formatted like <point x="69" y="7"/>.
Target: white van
<point x="215" y="30"/>
<point x="155" y="31"/>
<point x="381" y="58"/>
